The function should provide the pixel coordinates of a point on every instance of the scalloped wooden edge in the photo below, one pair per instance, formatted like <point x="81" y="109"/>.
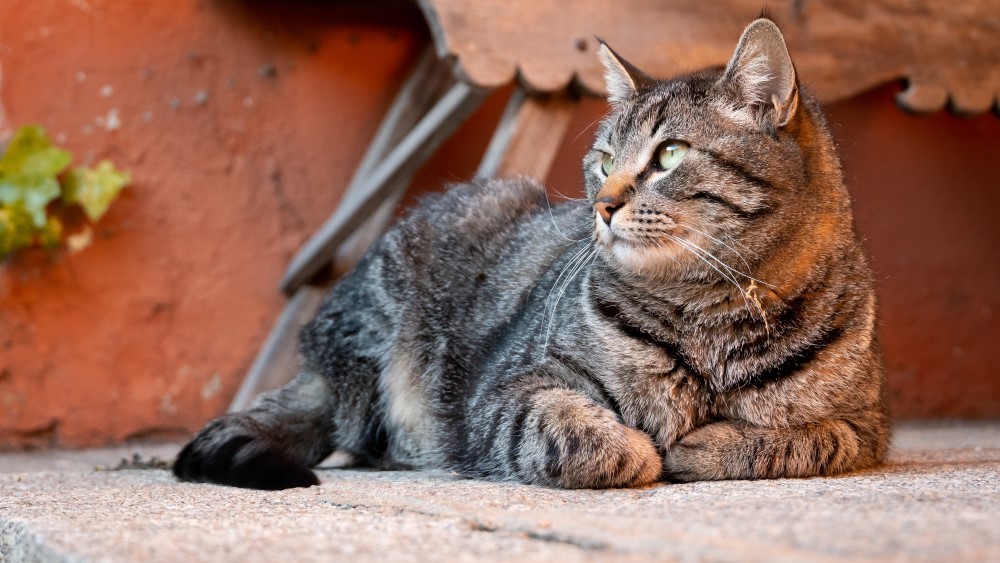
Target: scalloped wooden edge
<point x="841" y="48"/>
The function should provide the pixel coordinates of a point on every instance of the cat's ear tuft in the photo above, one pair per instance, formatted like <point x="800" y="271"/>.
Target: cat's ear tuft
<point x="762" y="77"/>
<point x="623" y="80"/>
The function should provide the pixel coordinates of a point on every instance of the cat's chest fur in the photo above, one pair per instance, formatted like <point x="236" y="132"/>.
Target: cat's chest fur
<point x="661" y="370"/>
<point x="650" y="386"/>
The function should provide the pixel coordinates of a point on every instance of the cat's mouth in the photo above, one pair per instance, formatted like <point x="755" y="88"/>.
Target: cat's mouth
<point x="629" y="233"/>
<point x="637" y="246"/>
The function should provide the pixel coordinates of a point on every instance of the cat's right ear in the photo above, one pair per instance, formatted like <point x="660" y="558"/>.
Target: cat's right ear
<point x="761" y="77"/>
<point x="623" y="80"/>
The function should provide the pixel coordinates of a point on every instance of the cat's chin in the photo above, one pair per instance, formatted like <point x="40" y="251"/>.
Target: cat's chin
<point x="651" y="259"/>
<point x="647" y="260"/>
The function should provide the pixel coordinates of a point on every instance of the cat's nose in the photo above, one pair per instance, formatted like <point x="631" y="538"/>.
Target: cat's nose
<point x="607" y="206"/>
<point x="614" y="194"/>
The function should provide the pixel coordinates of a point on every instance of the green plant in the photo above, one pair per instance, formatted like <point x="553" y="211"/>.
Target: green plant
<point x="33" y="175"/>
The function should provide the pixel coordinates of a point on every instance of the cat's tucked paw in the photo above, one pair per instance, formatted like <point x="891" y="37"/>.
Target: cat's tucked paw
<point x="701" y="455"/>
<point x="225" y="454"/>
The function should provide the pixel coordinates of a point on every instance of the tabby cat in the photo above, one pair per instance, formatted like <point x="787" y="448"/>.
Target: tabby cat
<point x="706" y="313"/>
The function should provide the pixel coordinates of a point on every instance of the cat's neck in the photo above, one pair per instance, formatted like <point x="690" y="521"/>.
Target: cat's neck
<point x="672" y="306"/>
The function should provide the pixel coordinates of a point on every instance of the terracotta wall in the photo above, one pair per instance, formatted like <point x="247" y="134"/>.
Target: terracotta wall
<point x="241" y="122"/>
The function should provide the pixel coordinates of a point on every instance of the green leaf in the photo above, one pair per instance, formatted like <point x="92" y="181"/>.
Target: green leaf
<point x="31" y="153"/>
<point x="95" y="188"/>
<point x="28" y="172"/>
<point x="16" y="229"/>
<point x="32" y="192"/>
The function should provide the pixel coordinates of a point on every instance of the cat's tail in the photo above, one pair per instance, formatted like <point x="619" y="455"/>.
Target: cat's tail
<point x="270" y="446"/>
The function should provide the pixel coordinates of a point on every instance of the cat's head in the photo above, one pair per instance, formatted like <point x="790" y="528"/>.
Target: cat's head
<point x="707" y="168"/>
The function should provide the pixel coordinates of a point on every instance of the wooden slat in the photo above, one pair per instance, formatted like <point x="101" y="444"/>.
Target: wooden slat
<point x="528" y="136"/>
<point x="426" y="83"/>
<point x="504" y="132"/>
<point x="355" y="246"/>
<point x="428" y="134"/>
<point x="430" y="80"/>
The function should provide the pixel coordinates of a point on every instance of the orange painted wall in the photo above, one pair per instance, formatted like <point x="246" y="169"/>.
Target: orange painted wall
<point x="148" y="332"/>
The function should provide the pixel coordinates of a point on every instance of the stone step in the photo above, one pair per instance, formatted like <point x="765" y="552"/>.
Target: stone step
<point x="937" y="499"/>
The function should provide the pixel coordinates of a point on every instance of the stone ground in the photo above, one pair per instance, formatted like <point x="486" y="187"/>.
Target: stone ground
<point x="938" y="499"/>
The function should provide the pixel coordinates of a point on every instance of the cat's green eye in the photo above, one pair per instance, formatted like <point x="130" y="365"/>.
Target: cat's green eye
<point x="607" y="164"/>
<point x="671" y="153"/>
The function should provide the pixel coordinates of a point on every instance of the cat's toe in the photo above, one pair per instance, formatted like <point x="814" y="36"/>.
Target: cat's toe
<point x="681" y="463"/>
<point x="643" y="461"/>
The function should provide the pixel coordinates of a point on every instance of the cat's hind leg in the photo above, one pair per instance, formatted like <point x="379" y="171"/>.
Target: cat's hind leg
<point x="269" y="446"/>
<point x="558" y="437"/>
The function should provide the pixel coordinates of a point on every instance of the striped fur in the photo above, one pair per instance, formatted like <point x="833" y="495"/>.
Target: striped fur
<point x="718" y="323"/>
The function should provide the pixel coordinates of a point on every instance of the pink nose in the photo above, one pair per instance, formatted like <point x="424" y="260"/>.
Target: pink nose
<point x="607" y="206"/>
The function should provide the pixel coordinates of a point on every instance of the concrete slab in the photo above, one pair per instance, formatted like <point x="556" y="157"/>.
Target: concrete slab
<point x="937" y="500"/>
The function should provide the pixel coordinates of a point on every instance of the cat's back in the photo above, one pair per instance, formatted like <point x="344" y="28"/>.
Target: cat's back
<point x="457" y="265"/>
<point x="486" y="238"/>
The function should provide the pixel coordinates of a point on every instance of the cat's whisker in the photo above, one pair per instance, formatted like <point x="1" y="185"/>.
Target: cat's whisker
<point x="587" y="128"/>
<point x="664" y="245"/>
<point x="733" y="272"/>
<point x="739" y="243"/>
<point x="589" y="258"/>
<point x="701" y="254"/>
<point x="569" y="265"/>
<point x="548" y="205"/>
<point x="737" y="252"/>
<point x="749" y="294"/>
<point x="715" y="239"/>
<point x="566" y="197"/>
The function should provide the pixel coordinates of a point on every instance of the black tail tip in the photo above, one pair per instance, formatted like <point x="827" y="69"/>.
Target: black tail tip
<point x="242" y="462"/>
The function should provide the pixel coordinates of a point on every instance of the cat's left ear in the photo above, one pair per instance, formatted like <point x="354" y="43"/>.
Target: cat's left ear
<point x="622" y="78"/>
<point x="762" y="77"/>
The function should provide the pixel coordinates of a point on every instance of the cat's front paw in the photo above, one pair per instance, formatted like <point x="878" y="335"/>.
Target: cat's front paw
<point x="581" y="445"/>
<point x="617" y="457"/>
<point x="701" y="455"/>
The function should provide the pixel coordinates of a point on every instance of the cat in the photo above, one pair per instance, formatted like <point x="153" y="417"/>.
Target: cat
<point x="706" y="313"/>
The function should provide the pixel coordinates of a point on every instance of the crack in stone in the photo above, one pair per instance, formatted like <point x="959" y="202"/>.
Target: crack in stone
<point x="483" y="525"/>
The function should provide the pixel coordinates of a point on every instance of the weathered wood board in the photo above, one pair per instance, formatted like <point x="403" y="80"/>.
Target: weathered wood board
<point x="948" y="52"/>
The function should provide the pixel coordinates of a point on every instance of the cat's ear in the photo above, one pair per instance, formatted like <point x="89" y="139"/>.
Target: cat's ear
<point x="761" y="76"/>
<point x="622" y="78"/>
